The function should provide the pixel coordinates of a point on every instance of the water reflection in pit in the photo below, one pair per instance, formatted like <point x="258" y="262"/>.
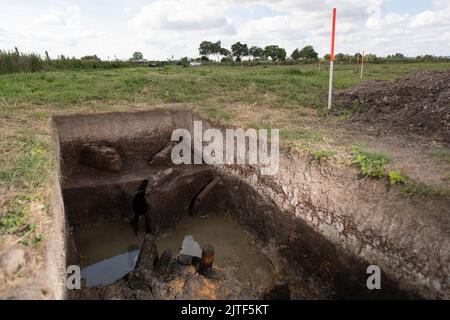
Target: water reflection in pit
<point x="236" y="251"/>
<point x="108" y="251"/>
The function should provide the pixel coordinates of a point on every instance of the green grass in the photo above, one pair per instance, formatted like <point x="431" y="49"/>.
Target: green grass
<point x="414" y="188"/>
<point x="370" y="164"/>
<point x="347" y="113"/>
<point x="318" y="156"/>
<point x="216" y="113"/>
<point x="16" y="221"/>
<point x="305" y="136"/>
<point x="285" y="87"/>
<point x="25" y="160"/>
<point x="442" y="154"/>
<point x="29" y="100"/>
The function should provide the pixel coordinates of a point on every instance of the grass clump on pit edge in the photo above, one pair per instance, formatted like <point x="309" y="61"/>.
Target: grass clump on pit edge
<point x="442" y="154"/>
<point x="412" y="188"/>
<point x="15" y="220"/>
<point x="25" y="166"/>
<point x="25" y="160"/>
<point x="318" y="156"/>
<point x="409" y="187"/>
<point x="370" y="164"/>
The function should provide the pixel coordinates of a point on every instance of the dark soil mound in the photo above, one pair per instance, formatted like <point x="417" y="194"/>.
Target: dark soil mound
<point x="418" y="104"/>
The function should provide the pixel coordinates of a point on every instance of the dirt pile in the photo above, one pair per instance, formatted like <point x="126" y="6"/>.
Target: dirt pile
<point x="417" y="104"/>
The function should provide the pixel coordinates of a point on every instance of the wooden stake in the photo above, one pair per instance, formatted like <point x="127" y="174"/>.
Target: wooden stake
<point x="207" y="259"/>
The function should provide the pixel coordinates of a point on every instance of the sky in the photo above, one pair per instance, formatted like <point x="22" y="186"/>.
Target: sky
<point x="161" y="29"/>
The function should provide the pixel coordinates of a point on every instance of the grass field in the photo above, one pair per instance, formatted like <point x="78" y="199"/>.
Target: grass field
<point x="28" y="101"/>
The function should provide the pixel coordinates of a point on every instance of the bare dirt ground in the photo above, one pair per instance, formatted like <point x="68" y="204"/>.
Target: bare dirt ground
<point x="408" y="119"/>
<point x="418" y="104"/>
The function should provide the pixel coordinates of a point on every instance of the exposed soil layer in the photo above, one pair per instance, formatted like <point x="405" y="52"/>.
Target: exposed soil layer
<point x="418" y="104"/>
<point x="322" y="226"/>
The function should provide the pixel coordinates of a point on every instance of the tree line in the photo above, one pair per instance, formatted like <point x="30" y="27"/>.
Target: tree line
<point x="307" y="54"/>
<point x="242" y="50"/>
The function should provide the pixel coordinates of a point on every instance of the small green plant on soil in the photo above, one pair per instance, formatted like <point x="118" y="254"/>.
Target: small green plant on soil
<point x="318" y="156"/>
<point x="442" y="154"/>
<point x="347" y="113"/>
<point x="370" y="164"/>
<point x="16" y="220"/>
<point x="415" y="188"/>
<point x="396" y="177"/>
<point x="412" y="188"/>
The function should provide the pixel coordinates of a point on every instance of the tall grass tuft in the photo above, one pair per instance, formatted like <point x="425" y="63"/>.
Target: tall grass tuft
<point x="15" y="61"/>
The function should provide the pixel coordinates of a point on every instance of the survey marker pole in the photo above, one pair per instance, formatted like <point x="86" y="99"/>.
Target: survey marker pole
<point x="333" y="31"/>
<point x="362" y="64"/>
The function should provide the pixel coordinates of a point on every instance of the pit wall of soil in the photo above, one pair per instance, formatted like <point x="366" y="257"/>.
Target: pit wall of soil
<point x="58" y="237"/>
<point x="329" y="225"/>
<point x="365" y="221"/>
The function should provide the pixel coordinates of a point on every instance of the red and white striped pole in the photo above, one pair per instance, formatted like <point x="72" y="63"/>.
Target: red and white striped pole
<point x="362" y="64"/>
<point x="333" y="32"/>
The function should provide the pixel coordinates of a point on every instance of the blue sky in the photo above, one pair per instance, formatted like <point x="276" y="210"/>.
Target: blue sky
<point x="408" y="6"/>
<point x="162" y="28"/>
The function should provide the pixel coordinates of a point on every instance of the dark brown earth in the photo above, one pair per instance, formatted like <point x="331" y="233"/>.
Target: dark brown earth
<point x="418" y="104"/>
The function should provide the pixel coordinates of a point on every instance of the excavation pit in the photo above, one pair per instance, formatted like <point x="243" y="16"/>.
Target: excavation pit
<point x="126" y="203"/>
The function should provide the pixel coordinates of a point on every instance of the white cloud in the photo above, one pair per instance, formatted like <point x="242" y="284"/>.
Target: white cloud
<point x="181" y="16"/>
<point x="68" y="17"/>
<point x="165" y="27"/>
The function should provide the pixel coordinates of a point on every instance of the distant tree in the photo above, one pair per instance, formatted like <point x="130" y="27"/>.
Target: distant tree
<point x="225" y="52"/>
<point x="137" y="56"/>
<point x="327" y="56"/>
<point x="281" y="55"/>
<point x="256" y="52"/>
<point x="296" y="54"/>
<point x="216" y="49"/>
<point x="227" y="59"/>
<point x="340" y="57"/>
<point x="371" y="57"/>
<point x="183" y="62"/>
<point x="275" y="53"/>
<point x="308" y="53"/>
<point x="396" y="56"/>
<point x="208" y="48"/>
<point x="239" y="50"/>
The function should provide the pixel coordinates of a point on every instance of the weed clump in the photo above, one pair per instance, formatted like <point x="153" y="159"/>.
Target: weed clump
<point x="396" y="177"/>
<point x="370" y="164"/>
